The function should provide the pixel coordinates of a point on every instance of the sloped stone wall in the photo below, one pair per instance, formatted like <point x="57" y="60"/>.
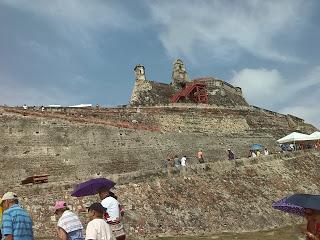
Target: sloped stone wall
<point x="69" y="149"/>
<point x="209" y="198"/>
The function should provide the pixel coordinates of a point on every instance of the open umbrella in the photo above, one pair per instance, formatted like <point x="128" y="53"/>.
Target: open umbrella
<point x="305" y="200"/>
<point x="255" y="147"/>
<point x="91" y="187"/>
<point x="284" y="206"/>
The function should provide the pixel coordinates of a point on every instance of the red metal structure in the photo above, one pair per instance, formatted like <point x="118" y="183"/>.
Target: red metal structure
<point x="193" y="91"/>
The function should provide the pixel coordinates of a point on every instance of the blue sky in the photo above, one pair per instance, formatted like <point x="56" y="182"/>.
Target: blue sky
<point x="84" y="51"/>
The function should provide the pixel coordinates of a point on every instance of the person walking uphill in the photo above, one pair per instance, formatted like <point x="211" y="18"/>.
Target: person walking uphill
<point x="200" y="156"/>
<point x="231" y="155"/>
<point x="112" y="215"/>
<point x="16" y="222"/>
<point x="97" y="228"/>
<point x="69" y="226"/>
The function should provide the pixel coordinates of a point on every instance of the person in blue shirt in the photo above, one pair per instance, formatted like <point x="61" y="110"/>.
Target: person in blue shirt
<point x="16" y="222"/>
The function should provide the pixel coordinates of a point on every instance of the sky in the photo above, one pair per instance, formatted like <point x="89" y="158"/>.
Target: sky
<point x="69" y="52"/>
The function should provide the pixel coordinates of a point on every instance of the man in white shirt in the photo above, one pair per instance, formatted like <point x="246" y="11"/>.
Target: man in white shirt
<point x="183" y="161"/>
<point x="183" y="165"/>
<point x="266" y="152"/>
<point x="97" y="228"/>
<point x="112" y="215"/>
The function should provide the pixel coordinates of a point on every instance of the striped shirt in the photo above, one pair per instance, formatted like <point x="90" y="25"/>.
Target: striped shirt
<point x="17" y="222"/>
<point x="70" y="223"/>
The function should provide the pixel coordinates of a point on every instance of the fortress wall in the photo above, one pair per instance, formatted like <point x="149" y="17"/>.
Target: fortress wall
<point x="140" y="87"/>
<point x="222" y="93"/>
<point x="213" y="83"/>
<point x="70" y="149"/>
<point x="211" y="198"/>
<point x="146" y="92"/>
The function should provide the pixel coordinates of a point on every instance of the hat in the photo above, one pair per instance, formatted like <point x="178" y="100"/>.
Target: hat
<point x="59" y="205"/>
<point x="97" y="207"/>
<point x="9" y="196"/>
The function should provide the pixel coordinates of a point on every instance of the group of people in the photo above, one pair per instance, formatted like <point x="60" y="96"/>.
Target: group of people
<point x="105" y="219"/>
<point x="257" y="153"/>
<point x="175" y="163"/>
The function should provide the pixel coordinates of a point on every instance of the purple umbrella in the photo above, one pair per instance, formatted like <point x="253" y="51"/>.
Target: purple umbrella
<point x="91" y="187"/>
<point x="284" y="206"/>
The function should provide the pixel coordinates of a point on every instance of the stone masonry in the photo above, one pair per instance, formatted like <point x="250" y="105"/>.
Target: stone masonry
<point x="210" y="198"/>
<point x="150" y="93"/>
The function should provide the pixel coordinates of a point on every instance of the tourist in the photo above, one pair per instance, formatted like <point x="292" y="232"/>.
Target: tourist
<point x="177" y="163"/>
<point x="16" y="222"/>
<point x="111" y="194"/>
<point x="0" y="220"/>
<point x="97" y="228"/>
<point x="231" y="155"/>
<point x="69" y="226"/>
<point x="266" y="152"/>
<point x="291" y="147"/>
<point x="25" y="107"/>
<point x="200" y="156"/>
<point x="112" y="216"/>
<point x="165" y="164"/>
<point x="170" y="165"/>
<point x="258" y="153"/>
<point x="183" y="162"/>
<point x="253" y="154"/>
<point x="312" y="232"/>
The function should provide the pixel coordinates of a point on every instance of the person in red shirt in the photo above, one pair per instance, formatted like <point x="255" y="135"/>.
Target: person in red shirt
<point x="313" y="225"/>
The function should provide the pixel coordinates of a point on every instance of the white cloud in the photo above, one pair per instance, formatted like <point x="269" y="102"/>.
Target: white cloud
<point x="269" y="89"/>
<point x="262" y="87"/>
<point x="225" y="28"/>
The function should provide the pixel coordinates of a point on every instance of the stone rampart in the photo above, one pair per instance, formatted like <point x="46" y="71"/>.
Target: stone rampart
<point x="220" y="93"/>
<point x="72" y="145"/>
<point x="119" y="140"/>
<point x="149" y="93"/>
<point x="209" y="198"/>
<point x="212" y="82"/>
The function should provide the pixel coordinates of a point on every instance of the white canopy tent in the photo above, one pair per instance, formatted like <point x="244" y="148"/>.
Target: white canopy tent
<point x="315" y="136"/>
<point x="295" y="137"/>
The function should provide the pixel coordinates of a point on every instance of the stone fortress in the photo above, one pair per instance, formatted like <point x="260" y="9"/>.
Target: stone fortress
<point x="149" y="93"/>
<point x="128" y="144"/>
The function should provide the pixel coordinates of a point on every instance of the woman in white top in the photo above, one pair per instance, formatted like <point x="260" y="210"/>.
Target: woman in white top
<point x="113" y="213"/>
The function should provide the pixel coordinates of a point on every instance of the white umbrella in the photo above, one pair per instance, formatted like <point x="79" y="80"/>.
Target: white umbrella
<point x="294" y="137"/>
